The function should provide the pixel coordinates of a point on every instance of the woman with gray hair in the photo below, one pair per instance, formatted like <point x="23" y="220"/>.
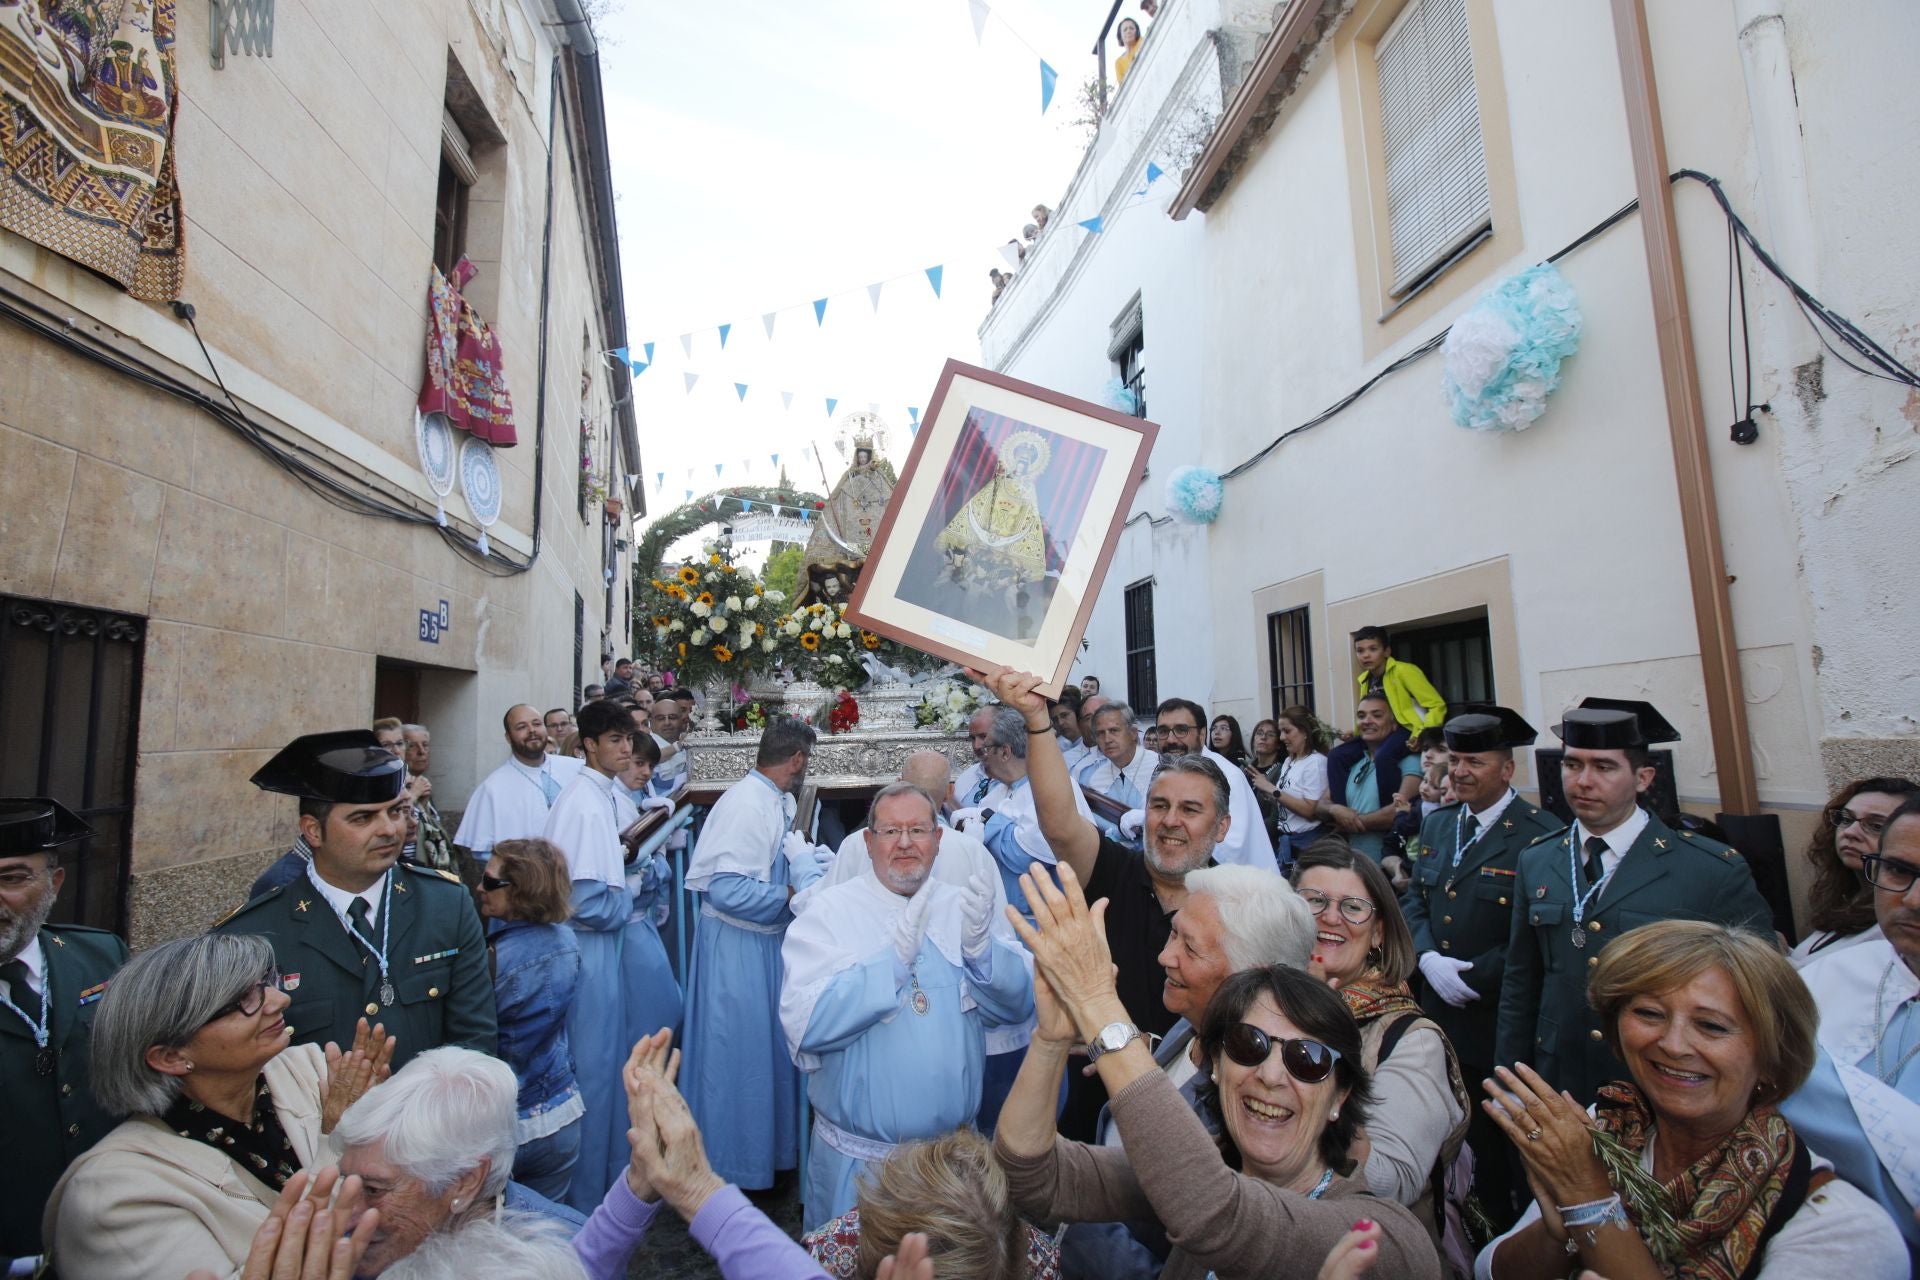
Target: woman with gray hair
<point x="190" y="1046"/>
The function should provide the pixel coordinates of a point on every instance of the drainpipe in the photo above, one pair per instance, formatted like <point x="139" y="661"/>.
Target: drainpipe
<point x="1686" y="420"/>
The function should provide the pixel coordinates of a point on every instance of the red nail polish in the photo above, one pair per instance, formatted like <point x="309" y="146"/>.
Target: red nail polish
<point x="1364" y="1244"/>
<point x="1363" y="1225"/>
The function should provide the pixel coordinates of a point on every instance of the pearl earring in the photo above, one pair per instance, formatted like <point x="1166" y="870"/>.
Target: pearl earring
<point x="1334" y="1116"/>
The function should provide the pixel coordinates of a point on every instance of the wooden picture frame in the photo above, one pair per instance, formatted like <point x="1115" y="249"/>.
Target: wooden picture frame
<point x="998" y="536"/>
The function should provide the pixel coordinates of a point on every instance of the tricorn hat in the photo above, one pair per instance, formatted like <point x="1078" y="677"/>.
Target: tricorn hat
<point x="1614" y="724"/>
<point x="345" y="767"/>
<point x="34" y="824"/>
<point x="1488" y="728"/>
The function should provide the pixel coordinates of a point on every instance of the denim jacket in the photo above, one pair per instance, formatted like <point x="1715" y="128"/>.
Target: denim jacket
<point x="535" y="970"/>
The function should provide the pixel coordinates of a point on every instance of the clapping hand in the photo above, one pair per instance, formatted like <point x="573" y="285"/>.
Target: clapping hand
<point x="669" y="1159"/>
<point x="305" y="1239"/>
<point x="976" y="913"/>
<point x="652" y="1055"/>
<point x="1550" y="1131"/>
<point x="910" y="926"/>
<point x="351" y="1074"/>
<point x="1068" y="940"/>
<point x="1356" y="1253"/>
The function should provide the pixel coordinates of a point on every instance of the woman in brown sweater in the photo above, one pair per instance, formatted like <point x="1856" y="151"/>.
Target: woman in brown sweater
<point x="1289" y="1095"/>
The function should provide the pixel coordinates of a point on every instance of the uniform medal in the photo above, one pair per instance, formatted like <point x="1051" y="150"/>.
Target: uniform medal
<point x="43" y="1060"/>
<point x="918" y="1001"/>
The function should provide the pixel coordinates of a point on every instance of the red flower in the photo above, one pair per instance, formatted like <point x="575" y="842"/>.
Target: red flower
<point x="845" y="714"/>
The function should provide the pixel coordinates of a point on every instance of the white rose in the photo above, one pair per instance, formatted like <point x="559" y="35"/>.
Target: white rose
<point x="699" y="610"/>
<point x="957" y="700"/>
<point x="769" y="644"/>
<point x="815" y="624"/>
<point x="718" y="624"/>
<point x="845" y="631"/>
<point x="777" y="597"/>
<point x="833" y="658"/>
<point x="676" y="625"/>
<point x="792" y="628"/>
<point x="733" y="604"/>
<point x="699" y="637"/>
<point x="713" y="577"/>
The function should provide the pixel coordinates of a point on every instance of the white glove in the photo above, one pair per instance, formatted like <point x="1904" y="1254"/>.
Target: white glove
<point x="976" y="914"/>
<point x="801" y="856"/>
<point x="960" y="818"/>
<point x="1131" y="821"/>
<point x="656" y="802"/>
<point x="1443" y="975"/>
<point x="910" y="926"/>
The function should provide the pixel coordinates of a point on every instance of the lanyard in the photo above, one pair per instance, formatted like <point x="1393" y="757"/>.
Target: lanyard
<point x="1580" y="900"/>
<point x="379" y="953"/>
<point x="1460" y="843"/>
<point x="40" y="1028"/>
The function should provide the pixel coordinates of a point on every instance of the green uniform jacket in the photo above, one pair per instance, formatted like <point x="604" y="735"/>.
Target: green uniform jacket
<point x="46" y="1121"/>
<point x="1465" y="912"/>
<point x="437" y="957"/>
<point x="1545" y="1019"/>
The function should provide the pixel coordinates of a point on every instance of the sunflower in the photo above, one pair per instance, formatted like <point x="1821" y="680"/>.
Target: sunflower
<point x="869" y="639"/>
<point x="676" y="592"/>
<point x="659" y="585"/>
<point x="759" y="629"/>
<point x="722" y="654"/>
<point x="683" y="649"/>
<point x="809" y="640"/>
<point x="714" y="558"/>
<point x="661" y="620"/>
<point x="706" y="598"/>
<point x="690" y="575"/>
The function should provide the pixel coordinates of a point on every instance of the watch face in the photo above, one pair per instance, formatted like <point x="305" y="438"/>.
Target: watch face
<point x="1115" y="1036"/>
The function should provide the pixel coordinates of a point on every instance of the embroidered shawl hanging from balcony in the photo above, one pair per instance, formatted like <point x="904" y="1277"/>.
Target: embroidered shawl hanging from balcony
<point x="466" y="375"/>
<point x="87" y="110"/>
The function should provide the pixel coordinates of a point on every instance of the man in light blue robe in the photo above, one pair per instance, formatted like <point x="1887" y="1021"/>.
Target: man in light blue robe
<point x="585" y="822"/>
<point x="738" y="1080"/>
<point x="1120" y="768"/>
<point x="1861" y="1106"/>
<point x="891" y="984"/>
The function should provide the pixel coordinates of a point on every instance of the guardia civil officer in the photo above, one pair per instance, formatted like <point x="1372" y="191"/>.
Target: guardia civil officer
<point x="1616" y="868"/>
<point x="360" y="934"/>
<point x="51" y="980"/>
<point x="1460" y="908"/>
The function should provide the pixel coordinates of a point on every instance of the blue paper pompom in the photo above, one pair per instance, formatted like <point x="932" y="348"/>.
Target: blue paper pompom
<point x="1121" y="396"/>
<point x="1195" y="494"/>
<point x="1503" y="354"/>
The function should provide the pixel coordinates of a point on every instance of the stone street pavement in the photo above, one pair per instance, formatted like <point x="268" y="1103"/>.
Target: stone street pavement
<point x="669" y="1253"/>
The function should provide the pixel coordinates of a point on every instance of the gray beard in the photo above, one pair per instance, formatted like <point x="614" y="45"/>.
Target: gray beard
<point x="17" y="931"/>
<point x="1174" y="872"/>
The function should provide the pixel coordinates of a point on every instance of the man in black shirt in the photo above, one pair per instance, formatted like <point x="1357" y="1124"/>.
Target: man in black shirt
<point x="1186" y="816"/>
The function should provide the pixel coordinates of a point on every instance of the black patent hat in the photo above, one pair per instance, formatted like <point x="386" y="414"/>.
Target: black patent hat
<point x="1615" y="724"/>
<point x="35" y="824"/>
<point x="1488" y="728"/>
<point x="346" y="767"/>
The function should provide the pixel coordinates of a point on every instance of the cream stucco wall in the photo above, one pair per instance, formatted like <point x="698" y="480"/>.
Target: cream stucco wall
<point x="308" y="183"/>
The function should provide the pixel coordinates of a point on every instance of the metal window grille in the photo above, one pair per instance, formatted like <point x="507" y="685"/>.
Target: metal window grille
<point x="1456" y="656"/>
<point x="1290" y="659"/>
<point x="579" y="644"/>
<point x="449" y="217"/>
<point x="1434" y="156"/>
<point x="1127" y="349"/>
<point x="69" y="718"/>
<point x="1143" y="685"/>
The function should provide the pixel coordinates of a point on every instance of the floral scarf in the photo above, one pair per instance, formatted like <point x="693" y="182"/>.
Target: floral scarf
<point x="1367" y="998"/>
<point x="1722" y="1202"/>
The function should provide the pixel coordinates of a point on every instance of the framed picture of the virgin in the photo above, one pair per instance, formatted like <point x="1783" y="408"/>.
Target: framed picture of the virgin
<point x="1000" y="530"/>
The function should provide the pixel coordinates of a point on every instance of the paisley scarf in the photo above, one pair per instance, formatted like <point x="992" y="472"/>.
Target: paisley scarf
<point x="1368" y="998"/>
<point x="1720" y="1203"/>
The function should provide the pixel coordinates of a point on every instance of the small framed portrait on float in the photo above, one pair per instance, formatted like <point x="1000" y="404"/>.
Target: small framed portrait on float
<point x="998" y="536"/>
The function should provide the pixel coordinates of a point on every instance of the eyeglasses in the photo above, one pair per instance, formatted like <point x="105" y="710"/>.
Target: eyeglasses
<point x="887" y="835"/>
<point x="1352" y="910"/>
<point x="1871" y="823"/>
<point x="253" y="1000"/>
<point x="490" y="882"/>
<point x="1894" y="877"/>
<point x="1307" y="1061"/>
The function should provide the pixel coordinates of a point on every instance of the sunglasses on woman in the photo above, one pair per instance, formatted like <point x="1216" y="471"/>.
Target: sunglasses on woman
<point x="1307" y="1061"/>
<point x="490" y="882"/>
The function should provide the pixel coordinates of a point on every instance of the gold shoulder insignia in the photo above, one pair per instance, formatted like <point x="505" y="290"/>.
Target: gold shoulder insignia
<point x="230" y="915"/>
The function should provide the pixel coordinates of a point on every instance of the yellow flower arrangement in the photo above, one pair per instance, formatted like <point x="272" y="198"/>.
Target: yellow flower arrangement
<point x="661" y="620"/>
<point x="722" y="654"/>
<point x="690" y="575"/>
<point x="683" y="648"/>
<point x="809" y="640"/>
<point x="759" y="629"/>
<point x="714" y="558"/>
<point x="869" y="639"/>
<point x="677" y="592"/>
<point x="705" y="598"/>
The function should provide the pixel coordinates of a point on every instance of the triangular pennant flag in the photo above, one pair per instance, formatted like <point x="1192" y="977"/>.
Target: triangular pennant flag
<point x="745" y="506"/>
<point x="686" y="344"/>
<point x="819" y="310"/>
<point x="632" y="480"/>
<point x="718" y="467"/>
<point x="786" y="399"/>
<point x="978" y="10"/>
<point x="725" y="329"/>
<point x="1047" y="78"/>
<point x="1095" y="224"/>
<point x="933" y="278"/>
<point x="620" y="354"/>
<point x="659" y="480"/>
<point x="691" y="379"/>
<point x="1154" y="172"/>
<point x="741" y="387"/>
<point x="913" y="411"/>
<point x="639" y="368"/>
<point x="831" y="402"/>
<point x="649" y="353"/>
<point x="873" y="293"/>
<point x="1011" y="252"/>
<point x="775" y="457"/>
<point x="689" y="495"/>
<point x="767" y="320"/>
<point x="913" y="428"/>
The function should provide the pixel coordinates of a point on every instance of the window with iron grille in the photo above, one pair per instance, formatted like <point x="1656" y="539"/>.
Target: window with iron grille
<point x="579" y="643"/>
<point x="1143" y="685"/>
<point x="457" y="176"/>
<point x="1290" y="659"/>
<point x="69" y="716"/>
<point x="1456" y="656"/>
<point x="1432" y="151"/>
<point x="1127" y="349"/>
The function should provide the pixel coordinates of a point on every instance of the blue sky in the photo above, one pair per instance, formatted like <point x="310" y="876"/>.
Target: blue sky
<point x="768" y="154"/>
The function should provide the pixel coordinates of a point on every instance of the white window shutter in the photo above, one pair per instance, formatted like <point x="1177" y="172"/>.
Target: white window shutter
<point x="1436" y="161"/>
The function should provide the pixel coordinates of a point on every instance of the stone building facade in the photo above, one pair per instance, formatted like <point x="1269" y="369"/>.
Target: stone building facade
<point x="179" y="600"/>
<point x="1254" y="286"/>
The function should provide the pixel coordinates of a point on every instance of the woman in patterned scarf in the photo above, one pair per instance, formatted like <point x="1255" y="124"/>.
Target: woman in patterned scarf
<point x="1364" y="950"/>
<point x="1703" y="1178"/>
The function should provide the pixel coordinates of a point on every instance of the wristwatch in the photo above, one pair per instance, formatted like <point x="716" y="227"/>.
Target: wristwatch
<point x="1114" y="1036"/>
